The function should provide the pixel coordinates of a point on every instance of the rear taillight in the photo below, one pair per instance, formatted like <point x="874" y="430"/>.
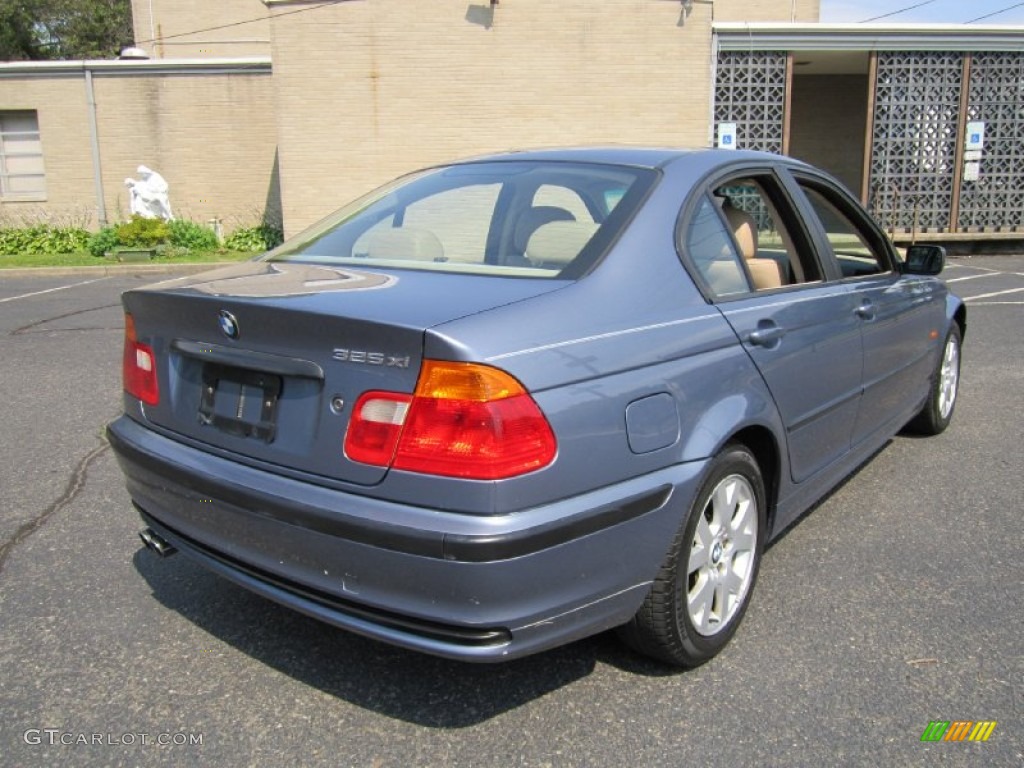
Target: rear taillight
<point x="463" y="420"/>
<point x="138" y="366"/>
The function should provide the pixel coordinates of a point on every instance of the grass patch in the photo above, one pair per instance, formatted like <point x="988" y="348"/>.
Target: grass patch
<point x="85" y="259"/>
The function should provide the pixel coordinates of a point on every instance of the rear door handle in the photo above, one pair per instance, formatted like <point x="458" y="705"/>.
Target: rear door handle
<point x="766" y="336"/>
<point x="866" y="311"/>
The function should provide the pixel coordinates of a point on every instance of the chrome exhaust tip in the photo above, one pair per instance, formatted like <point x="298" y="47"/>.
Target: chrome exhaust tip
<point x="155" y="543"/>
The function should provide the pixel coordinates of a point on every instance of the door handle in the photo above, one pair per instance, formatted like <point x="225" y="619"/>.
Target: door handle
<point x="866" y="311"/>
<point x="766" y="336"/>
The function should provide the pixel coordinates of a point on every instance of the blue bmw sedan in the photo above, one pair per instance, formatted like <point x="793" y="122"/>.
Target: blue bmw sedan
<point x="502" y="404"/>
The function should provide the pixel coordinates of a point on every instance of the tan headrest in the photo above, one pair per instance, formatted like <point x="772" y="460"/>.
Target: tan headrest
<point x="405" y="243"/>
<point x="532" y="219"/>
<point x="559" y="242"/>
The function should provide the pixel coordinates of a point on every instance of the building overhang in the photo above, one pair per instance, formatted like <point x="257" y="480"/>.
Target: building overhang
<point x="765" y="36"/>
<point x="137" y="67"/>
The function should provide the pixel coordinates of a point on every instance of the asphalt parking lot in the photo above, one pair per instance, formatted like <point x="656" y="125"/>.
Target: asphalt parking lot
<point x="895" y="603"/>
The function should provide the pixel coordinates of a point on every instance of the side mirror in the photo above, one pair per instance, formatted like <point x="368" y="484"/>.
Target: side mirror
<point x="924" y="260"/>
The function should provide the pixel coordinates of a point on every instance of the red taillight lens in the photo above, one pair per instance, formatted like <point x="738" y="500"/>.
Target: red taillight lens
<point x="464" y="420"/>
<point x="138" y="366"/>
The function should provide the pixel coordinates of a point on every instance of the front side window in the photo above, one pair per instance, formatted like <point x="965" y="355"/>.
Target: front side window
<point x="856" y="249"/>
<point x="514" y="218"/>
<point x="22" y="175"/>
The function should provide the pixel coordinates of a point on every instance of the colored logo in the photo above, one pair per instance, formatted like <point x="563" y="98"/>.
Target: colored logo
<point x="958" y="730"/>
<point x="228" y="324"/>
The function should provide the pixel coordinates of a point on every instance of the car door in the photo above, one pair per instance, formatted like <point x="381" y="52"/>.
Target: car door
<point x="800" y="330"/>
<point x="899" y="315"/>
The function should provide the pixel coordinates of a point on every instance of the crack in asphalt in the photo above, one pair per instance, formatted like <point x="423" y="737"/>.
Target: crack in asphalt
<point x="68" y="330"/>
<point x="75" y="485"/>
<point x="27" y="328"/>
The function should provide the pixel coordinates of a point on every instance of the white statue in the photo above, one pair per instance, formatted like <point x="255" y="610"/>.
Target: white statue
<point x="149" y="197"/>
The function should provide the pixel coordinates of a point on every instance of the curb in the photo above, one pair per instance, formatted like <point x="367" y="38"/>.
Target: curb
<point x="116" y="269"/>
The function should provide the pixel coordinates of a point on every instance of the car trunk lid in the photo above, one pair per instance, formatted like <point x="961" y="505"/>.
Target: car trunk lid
<point x="264" y="360"/>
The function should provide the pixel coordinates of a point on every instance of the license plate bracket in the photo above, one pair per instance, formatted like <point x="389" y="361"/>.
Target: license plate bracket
<point x="240" y="401"/>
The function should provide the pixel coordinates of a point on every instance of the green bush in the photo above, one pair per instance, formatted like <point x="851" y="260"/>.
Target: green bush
<point x="43" y="238"/>
<point x="104" y="240"/>
<point x="259" y="238"/>
<point x="143" y="233"/>
<point x="192" y="236"/>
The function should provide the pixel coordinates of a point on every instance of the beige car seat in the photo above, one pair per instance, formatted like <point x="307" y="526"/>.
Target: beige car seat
<point x="764" y="272"/>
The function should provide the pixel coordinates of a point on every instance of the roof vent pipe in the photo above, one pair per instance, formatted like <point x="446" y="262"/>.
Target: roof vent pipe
<point x="133" y="53"/>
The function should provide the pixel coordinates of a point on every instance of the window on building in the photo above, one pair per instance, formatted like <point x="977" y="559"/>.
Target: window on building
<point x="21" y="156"/>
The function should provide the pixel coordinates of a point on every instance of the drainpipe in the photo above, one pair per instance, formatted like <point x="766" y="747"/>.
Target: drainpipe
<point x="94" y="135"/>
<point x="712" y="128"/>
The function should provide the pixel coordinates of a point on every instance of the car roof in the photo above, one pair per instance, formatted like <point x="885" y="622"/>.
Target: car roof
<point x="641" y="157"/>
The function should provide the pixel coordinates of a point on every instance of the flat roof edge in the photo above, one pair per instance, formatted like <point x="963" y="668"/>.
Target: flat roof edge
<point x="137" y="66"/>
<point x="766" y="36"/>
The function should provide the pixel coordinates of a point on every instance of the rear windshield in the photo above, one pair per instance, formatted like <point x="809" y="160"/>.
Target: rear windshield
<point x="515" y="218"/>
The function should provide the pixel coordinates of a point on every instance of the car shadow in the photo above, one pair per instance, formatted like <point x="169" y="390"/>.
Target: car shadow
<point x="780" y="536"/>
<point x="397" y="683"/>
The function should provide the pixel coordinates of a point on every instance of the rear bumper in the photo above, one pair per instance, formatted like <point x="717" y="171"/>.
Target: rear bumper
<point x="476" y="588"/>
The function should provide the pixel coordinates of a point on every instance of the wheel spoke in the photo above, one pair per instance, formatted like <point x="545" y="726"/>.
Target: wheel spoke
<point x="701" y="603"/>
<point x="949" y="376"/>
<point x="733" y="582"/>
<point x="744" y="540"/>
<point x="700" y="549"/>
<point x="722" y="505"/>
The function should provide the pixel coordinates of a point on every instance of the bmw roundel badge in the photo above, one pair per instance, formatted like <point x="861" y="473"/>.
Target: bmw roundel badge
<point x="228" y="324"/>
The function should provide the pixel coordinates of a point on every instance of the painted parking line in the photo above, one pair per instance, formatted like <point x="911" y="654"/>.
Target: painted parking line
<point x="973" y="277"/>
<point x="994" y="294"/>
<point x="51" y="290"/>
<point x="971" y="266"/>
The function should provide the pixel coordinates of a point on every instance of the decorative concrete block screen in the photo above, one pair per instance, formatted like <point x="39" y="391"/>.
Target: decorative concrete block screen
<point x="750" y="90"/>
<point x="914" y="139"/>
<point x="995" y="202"/>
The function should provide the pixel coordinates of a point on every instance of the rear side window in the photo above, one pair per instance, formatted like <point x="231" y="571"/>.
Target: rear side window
<point x="713" y="253"/>
<point x="744" y="237"/>
<point x="514" y="218"/>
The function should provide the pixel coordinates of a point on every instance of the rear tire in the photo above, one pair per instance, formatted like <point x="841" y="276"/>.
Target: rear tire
<point x="702" y="590"/>
<point x="945" y="385"/>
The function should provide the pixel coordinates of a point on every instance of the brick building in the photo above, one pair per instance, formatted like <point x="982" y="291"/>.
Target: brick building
<point x="71" y="132"/>
<point x="361" y="91"/>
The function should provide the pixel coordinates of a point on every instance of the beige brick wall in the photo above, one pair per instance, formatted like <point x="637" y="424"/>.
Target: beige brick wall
<point x="201" y="28"/>
<point x="768" y="10"/>
<point x="368" y="90"/>
<point x="212" y="136"/>
<point x="60" y="105"/>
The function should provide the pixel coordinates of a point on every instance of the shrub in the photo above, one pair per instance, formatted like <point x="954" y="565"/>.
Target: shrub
<point x="104" y="240"/>
<point x="192" y="236"/>
<point x="43" y="238"/>
<point x="259" y="238"/>
<point x="143" y="233"/>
